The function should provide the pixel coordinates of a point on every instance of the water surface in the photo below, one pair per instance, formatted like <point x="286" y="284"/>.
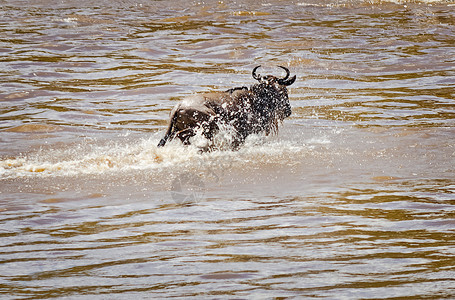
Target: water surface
<point x="354" y="198"/>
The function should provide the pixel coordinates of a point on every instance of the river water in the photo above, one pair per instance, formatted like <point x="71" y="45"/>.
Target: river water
<point x="354" y="198"/>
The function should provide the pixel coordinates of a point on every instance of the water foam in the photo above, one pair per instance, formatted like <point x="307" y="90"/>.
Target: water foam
<point x="92" y="157"/>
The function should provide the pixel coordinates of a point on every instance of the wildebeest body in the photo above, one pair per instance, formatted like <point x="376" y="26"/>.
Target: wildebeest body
<point x="247" y="110"/>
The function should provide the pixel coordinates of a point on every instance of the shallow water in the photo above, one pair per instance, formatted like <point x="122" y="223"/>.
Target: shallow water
<point x="354" y="198"/>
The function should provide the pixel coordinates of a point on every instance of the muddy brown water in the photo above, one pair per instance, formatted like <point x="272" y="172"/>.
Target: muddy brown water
<point x="353" y="199"/>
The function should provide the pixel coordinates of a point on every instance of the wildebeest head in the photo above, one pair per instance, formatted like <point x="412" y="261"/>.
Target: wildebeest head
<point x="272" y="96"/>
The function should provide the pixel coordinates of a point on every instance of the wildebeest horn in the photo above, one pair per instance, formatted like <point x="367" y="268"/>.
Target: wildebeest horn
<point x="287" y="72"/>
<point x="285" y="80"/>
<point x="255" y="76"/>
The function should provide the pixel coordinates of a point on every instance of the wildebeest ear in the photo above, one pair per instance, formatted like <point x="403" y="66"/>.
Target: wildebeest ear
<point x="287" y="81"/>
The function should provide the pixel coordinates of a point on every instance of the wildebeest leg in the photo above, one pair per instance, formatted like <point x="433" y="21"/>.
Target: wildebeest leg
<point x="169" y="132"/>
<point x="185" y="135"/>
<point x="186" y="121"/>
<point x="165" y="138"/>
<point x="210" y="128"/>
<point x="237" y="142"/>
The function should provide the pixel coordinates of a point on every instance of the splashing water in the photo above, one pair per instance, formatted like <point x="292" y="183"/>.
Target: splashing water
<point x="354" y="198"/>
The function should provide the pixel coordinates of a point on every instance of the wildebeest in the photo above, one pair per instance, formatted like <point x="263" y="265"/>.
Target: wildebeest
<point x="246" y="110"/>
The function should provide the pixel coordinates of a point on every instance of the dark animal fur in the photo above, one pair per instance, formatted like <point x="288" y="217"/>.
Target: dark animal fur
<point x="256" y="109"/>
